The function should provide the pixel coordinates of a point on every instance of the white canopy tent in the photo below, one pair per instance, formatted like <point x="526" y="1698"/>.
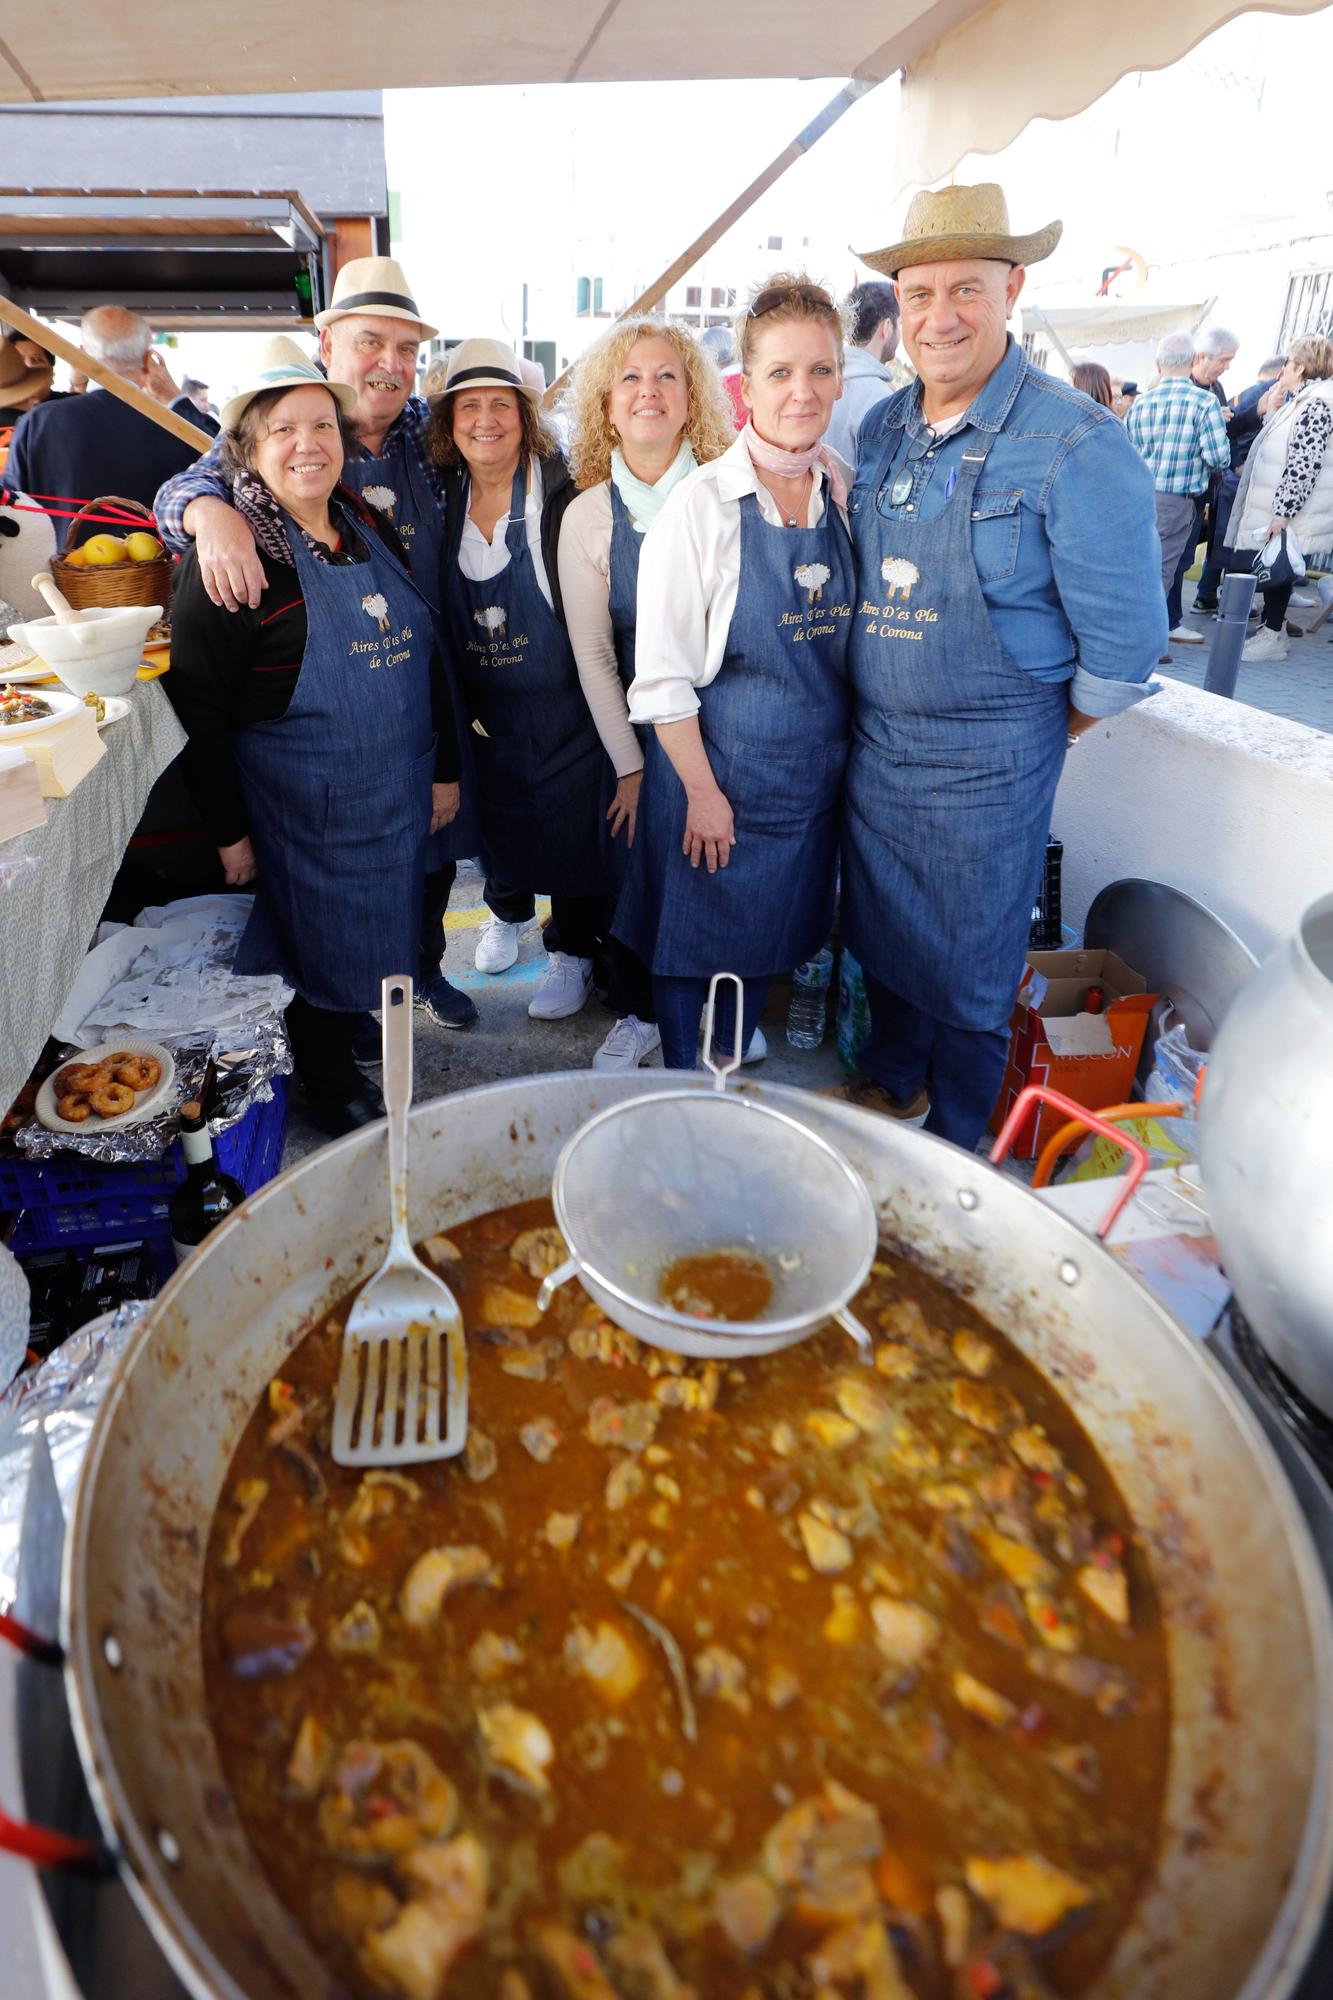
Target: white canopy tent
<point x="974" y="74"/>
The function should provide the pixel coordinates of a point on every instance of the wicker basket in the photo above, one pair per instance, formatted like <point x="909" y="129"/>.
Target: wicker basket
<point x="120" y="583"/>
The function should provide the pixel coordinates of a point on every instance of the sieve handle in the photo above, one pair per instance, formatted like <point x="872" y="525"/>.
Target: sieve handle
<point x="552" y="1282"/>
<point x="726" y="1069"/>
<point x="850" y="1324"/>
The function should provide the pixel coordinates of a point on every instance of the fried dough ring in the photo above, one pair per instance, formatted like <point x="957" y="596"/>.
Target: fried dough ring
<point x="111" y="1099"/>
<point x="119" y="1056"/>
<point x="72" y="1109"/>
<point x="139" y="1072"/>
<point x="73" y="1079"/>
<point x="98" y="1077"/>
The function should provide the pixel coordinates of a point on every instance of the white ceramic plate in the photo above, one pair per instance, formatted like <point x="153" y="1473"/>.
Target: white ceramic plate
<point x="60" y="705"/>
<point x="117" y="708"/>
<point x="146" y="1103"/>
<point x="20" y="665"/>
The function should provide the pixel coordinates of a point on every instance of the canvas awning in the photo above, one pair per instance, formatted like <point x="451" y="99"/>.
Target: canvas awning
<point x="975" y="74"/>
<point x="1111" y="325"/>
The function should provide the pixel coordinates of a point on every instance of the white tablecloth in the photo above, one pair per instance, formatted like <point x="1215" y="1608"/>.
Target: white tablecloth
<point x="49" y="913"/>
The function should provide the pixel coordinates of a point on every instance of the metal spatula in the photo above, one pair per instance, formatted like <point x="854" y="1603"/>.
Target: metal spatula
<point x="403" y="1350"/>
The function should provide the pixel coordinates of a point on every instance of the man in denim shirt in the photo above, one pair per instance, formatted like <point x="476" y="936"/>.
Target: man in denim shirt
<point x="1009" y="597"/>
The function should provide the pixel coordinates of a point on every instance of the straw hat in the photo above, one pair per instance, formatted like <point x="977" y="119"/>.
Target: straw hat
<point x="955" y="223"/>
<point x="280" y="364"/>
<point x="15" y="374"/>
<point x="486" y="364"/>
<point x="373" y="285"/>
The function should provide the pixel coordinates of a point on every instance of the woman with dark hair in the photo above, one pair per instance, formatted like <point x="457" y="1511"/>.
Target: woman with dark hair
<point x="322" y="749"/>
<point x="1094" y="381"/>
<point x="746" y="598"/>
<point x="533" y="745"/>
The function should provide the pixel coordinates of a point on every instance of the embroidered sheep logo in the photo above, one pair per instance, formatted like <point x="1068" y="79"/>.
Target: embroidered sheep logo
<point x="812" y="577"/>
<point x="382" y="498"/>
<point x="492" y="620"/>
<point x="899" y="575"/>
<point x="377" y="607"/>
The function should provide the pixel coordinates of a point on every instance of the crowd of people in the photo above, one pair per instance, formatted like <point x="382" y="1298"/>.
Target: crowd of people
<point x="676" y="676"/>
<point x="754" y="623"/>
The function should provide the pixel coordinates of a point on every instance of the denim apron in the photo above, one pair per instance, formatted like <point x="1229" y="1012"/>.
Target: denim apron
<point x="955" y="757"/>
<point x="534" y="746"/>
<point x="775" y="723"/>
<point x="626" y="543"/>
<point x="396" y="486"/>
<point x="338" y="790"/>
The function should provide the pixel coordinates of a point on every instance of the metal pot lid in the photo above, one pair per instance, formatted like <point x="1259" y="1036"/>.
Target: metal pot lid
<point x="1184" y="952"/>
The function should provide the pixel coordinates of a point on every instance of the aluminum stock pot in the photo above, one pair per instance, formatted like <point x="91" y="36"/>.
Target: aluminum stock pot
<point x="1247" y="1850"/>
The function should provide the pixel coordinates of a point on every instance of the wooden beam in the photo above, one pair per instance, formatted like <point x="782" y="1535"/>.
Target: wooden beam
<point x="852" y="91"/>
<point x="106" y="378"/>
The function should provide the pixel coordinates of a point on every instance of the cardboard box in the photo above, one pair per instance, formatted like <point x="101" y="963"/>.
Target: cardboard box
<point x="1089" y="1057"/>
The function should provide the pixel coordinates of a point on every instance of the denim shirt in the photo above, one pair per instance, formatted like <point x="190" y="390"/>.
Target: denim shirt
<point x="1064" y="527"/>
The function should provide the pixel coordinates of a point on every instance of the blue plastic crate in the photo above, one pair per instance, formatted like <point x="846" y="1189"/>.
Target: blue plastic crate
<point x="70" y="1202"/>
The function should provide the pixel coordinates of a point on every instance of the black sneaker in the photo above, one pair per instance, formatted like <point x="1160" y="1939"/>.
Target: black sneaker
<point x="445" y="1005"/>
<point x="339" y="1115"/>
<point x="368" y="1041"/>
<point x="1205" y="604"/>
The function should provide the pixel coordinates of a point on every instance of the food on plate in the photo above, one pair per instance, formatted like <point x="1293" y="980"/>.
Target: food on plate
<point x="111" y="1100"/>
<point x="668" y="1695"/>
<point x="159" y="634"/>
<point x="104" y="1089"/>
<point x="139" y="1072"/>
<point x="97" y="705"/>
<point x="19" y="705"/>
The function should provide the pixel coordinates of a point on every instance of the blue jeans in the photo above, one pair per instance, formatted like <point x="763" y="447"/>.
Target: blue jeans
<point x="963" y="1067"/>
<point x="680" y="1008"/>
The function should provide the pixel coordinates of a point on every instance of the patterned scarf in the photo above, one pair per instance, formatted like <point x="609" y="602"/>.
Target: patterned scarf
<point x="266" y="517"/>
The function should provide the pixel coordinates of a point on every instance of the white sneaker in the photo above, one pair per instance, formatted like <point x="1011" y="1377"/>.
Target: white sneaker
<point x="1324" y="586"/>
<point x="1185" y="635"/>
<point x="629" y="1043"/>
<point x="567" y="984"/>
<point x="1265" y="646"/>
<point x="497" y="947"/>
<point x="757" y="1049"/>
<point x="1301" y="600"/>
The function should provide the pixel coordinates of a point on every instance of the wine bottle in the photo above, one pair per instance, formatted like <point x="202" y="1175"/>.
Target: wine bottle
<point x="206" y="1195"/>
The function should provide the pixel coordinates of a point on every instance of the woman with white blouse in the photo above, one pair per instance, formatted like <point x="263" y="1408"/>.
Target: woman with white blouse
<point x="537" y="759"/>
<point x="645" y="408"/>
<point x="746" y="590"/>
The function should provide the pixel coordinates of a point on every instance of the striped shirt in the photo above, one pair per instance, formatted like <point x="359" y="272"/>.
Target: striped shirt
<point x="1178" y="428"/>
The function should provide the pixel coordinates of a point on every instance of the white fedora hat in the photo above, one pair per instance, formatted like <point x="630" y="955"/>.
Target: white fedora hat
<point x="486" y="364"/>
<point x="280" y="364"/>
<point x="373" y="285"/>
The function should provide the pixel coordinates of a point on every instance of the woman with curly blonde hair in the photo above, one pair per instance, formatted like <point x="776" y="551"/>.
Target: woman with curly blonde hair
<point x="745" y="603"/>
<point x="645" y="408"/>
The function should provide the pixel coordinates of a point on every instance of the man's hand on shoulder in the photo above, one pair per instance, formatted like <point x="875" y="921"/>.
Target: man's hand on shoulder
<point x="229" y="564"/>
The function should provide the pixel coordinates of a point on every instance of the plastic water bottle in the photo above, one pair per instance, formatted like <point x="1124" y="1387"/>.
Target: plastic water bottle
<point x="853" y="1009"/>
<point x="809" y="1001"/>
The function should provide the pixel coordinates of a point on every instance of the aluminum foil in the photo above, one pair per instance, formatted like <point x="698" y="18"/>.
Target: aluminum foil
<point x="65" y="1392"/>
<point x="246" y="1066"/>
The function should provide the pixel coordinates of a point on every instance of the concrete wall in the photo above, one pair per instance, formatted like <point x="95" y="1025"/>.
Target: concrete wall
<point x="1229" y="804"/>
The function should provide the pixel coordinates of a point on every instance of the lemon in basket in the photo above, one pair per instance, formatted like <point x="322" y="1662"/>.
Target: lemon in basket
<point x="104" y="551"/>
<point x="142" y="547"/>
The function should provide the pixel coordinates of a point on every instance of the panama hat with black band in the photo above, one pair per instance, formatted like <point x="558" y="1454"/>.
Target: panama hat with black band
<point x="486" y="364"/>
<point x="280" y="364"/>
<point x="376" y="286"/>
<point x="953" y="225"/>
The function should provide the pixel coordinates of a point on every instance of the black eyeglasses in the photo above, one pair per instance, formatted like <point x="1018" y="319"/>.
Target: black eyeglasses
<point x="773" y="296"/>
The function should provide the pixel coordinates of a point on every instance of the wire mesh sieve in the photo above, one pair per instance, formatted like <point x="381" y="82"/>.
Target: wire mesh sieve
<point x="688" y="1172"/>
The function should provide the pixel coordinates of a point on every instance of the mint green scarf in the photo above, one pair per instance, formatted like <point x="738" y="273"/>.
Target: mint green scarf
<point x="643" y="502"/>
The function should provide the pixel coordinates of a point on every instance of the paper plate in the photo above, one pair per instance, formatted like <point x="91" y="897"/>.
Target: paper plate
<point x="117" y="708"/>
<point x="146" y="1103"/>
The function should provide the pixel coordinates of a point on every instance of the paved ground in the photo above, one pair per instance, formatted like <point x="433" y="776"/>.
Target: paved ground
<point x="1301" y="688"/>
<point x="505" y="1042"/>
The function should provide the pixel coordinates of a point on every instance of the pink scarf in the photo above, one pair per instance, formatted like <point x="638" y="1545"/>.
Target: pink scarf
<point x="791" y="464"/>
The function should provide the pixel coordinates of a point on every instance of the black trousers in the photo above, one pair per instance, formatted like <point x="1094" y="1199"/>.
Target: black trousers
<point x="322" y="1050"/>
<point x="577" y="924"/>
<point x="1276" y="598"/>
